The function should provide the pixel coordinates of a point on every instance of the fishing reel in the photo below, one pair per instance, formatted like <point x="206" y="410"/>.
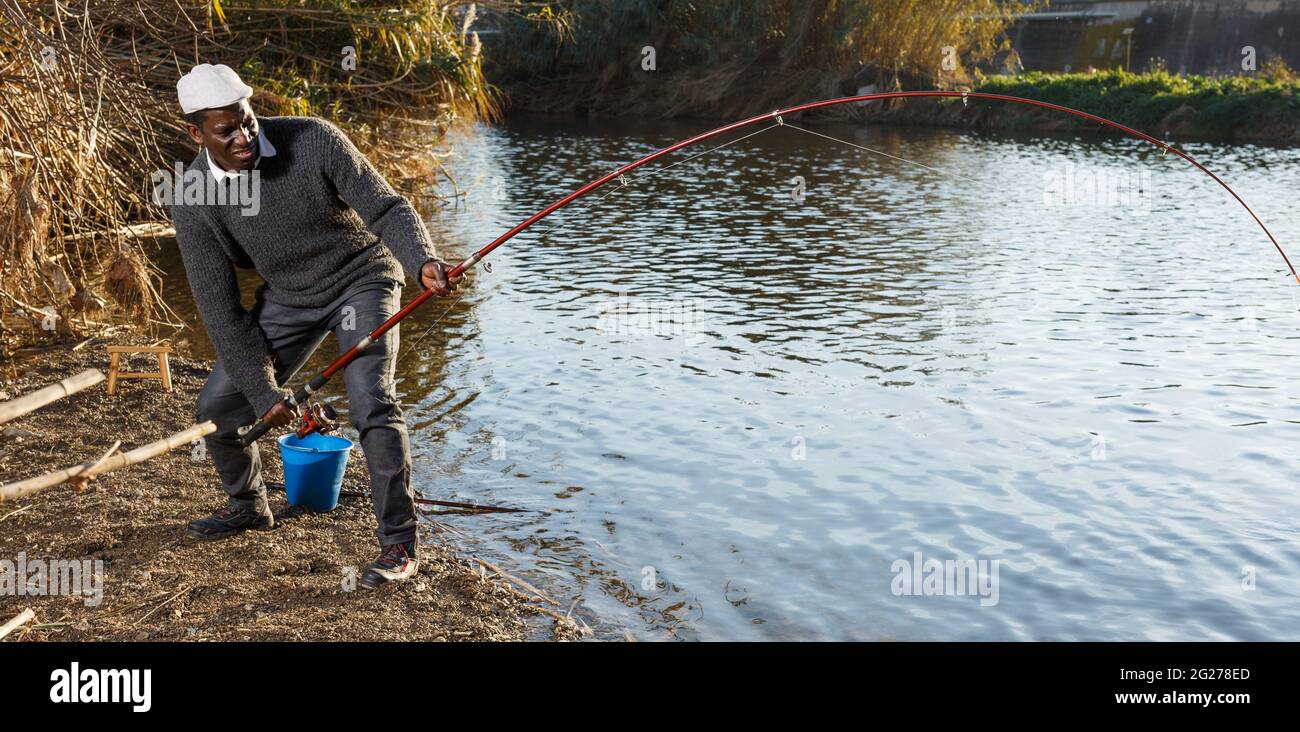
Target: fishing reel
<point x="317" y="417"/>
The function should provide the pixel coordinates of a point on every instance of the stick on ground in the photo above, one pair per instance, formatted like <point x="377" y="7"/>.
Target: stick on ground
<point x="22" y="617"/>
<point x="115" y="462"/>
<point x="22" y="405"/>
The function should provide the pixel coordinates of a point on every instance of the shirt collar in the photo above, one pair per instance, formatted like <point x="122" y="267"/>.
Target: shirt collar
<point x="264" y="150"/>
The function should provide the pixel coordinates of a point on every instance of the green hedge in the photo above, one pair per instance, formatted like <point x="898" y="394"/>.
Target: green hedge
<point x="1221" y="106"/>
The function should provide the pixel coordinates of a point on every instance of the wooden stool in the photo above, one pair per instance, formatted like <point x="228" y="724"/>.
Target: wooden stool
<point x="163" y="374"/>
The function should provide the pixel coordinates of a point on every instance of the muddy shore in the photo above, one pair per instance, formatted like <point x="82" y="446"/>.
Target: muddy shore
<point x="296" y="582"/>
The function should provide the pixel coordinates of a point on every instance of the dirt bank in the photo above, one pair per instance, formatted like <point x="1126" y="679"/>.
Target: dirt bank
<point x="293" y="583"/>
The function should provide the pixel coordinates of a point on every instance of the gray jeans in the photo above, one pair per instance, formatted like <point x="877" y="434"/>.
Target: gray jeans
<point x="293" y="335"/>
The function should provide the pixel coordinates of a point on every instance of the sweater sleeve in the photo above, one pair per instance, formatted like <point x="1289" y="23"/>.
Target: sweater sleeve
<point x="386" y="213"/>
<point x="245" y="355"/>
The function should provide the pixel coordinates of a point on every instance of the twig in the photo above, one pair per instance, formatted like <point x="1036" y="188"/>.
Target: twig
<point x="516" y="580"/>
<point x="545" y="610"/>
<point x="556" y="615"/>
<point x="46" y="311"/>
<point x="148" y="230"/>
<point x="183" y="590"/>
<point x="133" y="607"/>
<point x="580" y="625"/>
<point x="274" y="486"/>
<point x="19" y="619"/>
<point x="13" y="513"/>
<point x="471" y="506"/>
<point x="80" y="482"/>
<point x="445" y="526"/>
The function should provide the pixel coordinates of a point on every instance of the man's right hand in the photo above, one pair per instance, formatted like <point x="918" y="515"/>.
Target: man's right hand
<point x="433" y="276"/>
<point x="281" y="415"/>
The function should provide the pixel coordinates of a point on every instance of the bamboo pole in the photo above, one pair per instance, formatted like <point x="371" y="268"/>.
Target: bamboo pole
<point x="80" y="474"/>
<point x="22" y="617"/>
<point x="15" y="408"/>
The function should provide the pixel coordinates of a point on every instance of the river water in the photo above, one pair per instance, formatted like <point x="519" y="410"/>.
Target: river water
<point x="781" y="390"/>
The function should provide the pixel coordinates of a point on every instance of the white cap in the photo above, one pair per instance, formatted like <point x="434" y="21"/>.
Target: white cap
<point x="209" y="87"/>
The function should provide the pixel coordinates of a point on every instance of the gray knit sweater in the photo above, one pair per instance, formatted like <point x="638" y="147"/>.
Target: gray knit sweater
<point x="325" y="219"/>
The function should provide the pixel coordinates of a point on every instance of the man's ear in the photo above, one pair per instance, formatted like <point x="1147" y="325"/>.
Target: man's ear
<point x="195" y="133"/>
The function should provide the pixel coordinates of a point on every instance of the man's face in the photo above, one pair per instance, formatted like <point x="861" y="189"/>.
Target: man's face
<point x="229" y="134"/>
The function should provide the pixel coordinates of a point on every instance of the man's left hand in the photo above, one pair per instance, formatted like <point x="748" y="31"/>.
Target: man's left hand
<point x="433" y="276"/>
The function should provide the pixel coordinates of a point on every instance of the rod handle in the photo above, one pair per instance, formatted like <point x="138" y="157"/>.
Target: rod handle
<point x="254" y="432"/>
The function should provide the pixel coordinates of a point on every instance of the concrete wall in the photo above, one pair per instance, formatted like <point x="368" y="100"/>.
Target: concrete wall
<point x="1192" y="36"/>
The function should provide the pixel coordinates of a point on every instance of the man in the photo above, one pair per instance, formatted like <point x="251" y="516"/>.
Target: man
<point x="331" y="238"/>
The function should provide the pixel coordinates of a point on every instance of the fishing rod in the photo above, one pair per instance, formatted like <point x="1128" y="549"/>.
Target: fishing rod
<point x="316" y="384"/>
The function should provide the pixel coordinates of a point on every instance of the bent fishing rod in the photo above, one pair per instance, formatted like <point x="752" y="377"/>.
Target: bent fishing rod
<point x="316" y="384"/>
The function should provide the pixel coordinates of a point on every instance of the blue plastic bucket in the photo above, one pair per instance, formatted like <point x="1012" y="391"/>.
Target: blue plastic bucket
<point x="313" y="469"/>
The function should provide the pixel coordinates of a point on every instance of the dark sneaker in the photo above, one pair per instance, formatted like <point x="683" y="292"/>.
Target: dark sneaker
<point x="229" y="520"/>
<point x="396" y="562"/>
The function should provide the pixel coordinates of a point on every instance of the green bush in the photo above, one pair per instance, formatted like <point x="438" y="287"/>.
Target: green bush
<point x="1220" y="105"/>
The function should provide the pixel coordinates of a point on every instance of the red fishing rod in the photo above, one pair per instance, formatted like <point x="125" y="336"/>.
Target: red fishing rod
<point x="304" y="393"/>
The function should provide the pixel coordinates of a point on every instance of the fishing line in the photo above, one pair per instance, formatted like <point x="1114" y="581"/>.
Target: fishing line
<point x="546" y="233"/>
<point x="429" y="329"/>
<point x="553" y="225"/>
<point x="880" y="152"/>
<point x="425" y="334"/>
<point x="657" y="171"/>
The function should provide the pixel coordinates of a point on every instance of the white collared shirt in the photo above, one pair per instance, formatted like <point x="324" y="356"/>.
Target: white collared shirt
<point x="264" y="150"/>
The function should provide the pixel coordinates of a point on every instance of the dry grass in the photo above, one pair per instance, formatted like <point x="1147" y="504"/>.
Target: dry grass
<point x="78" y="143"/>
<point x="88" y="112"/>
